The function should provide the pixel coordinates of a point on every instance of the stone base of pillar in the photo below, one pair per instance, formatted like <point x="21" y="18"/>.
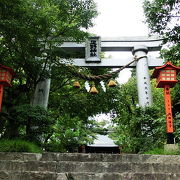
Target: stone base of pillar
<point x="171" y="148"/>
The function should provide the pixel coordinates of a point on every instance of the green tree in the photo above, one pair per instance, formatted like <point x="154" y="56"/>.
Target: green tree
<point x="31" y="28"/>
<point x="138" y="129"/>
<point x="69" y="134"/>
<point x="29" y="31"/>
<point x="72" y="107"/>
<point x="163" y="19"/>
<point x="29" y="123"/>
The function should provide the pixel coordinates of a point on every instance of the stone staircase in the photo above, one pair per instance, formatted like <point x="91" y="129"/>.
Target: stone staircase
<point x="76" y="166"/>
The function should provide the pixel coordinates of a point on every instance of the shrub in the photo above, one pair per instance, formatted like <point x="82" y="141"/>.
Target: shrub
<point x="27" y="122"/>
<point x="140" y="131"/>
<point x="18" y="146"/>
<point x="54" y="147"/>
<point x="161" y="151"/>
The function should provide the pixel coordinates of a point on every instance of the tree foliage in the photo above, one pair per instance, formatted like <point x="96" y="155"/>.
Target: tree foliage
<point x="29" y="31"/>
<point x="27" y="122"/>
<point x="138" y="129"/>
<point x="163" y="18"/>
<point x="28" y="28"/>
<point x="70" y="133"/>
<point x="72" y="108"/>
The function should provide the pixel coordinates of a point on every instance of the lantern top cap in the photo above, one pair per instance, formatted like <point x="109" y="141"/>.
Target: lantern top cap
<point x="166" y="65"/>
<point x="7" y="68"/>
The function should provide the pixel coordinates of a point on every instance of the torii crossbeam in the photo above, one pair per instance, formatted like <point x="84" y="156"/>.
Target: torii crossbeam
<point x="119" y="44"/>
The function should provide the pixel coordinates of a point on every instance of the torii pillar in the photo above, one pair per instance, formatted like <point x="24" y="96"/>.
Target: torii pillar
<point x="143" y="78"/>
<point x="41" y="94"/>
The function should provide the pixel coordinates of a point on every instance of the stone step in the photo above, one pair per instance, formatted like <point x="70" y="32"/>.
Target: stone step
<point x="94" y="167"/>
<point x="119" y="167"/>
<point x="170" y="159"/>
<point x="20" y="156"/>
<point x="36" y="175"/>
<point x="110" y="157"/>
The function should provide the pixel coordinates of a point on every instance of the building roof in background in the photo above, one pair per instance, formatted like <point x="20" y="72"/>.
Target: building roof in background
<point x="103" y="141"/>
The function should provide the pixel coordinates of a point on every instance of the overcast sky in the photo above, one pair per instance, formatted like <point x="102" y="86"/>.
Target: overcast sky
<point x="120" y="18"/>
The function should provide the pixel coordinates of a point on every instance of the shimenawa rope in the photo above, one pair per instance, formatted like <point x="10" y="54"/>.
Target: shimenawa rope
<point x="104" y="76"/>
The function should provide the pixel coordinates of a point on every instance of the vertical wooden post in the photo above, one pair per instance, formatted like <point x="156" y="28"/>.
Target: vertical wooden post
<point x="169" y="117"/>
<point x="1" y="95"/>
<point x="168" y="109"/>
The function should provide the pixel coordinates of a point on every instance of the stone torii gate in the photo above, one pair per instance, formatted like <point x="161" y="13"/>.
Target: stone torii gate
<point x="139" y="46"/>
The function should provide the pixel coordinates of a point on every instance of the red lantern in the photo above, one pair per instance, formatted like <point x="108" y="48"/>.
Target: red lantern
<point x="166" y="78"/>
<point x="166" y="75"/>
<point x="6" y="75"/>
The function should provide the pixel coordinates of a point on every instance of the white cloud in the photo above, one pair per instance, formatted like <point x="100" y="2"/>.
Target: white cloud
<point x="119" y="18"/>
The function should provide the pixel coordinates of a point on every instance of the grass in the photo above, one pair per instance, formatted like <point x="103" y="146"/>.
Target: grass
<point x="161" y="151"/>
<point x="18" y="146"/>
